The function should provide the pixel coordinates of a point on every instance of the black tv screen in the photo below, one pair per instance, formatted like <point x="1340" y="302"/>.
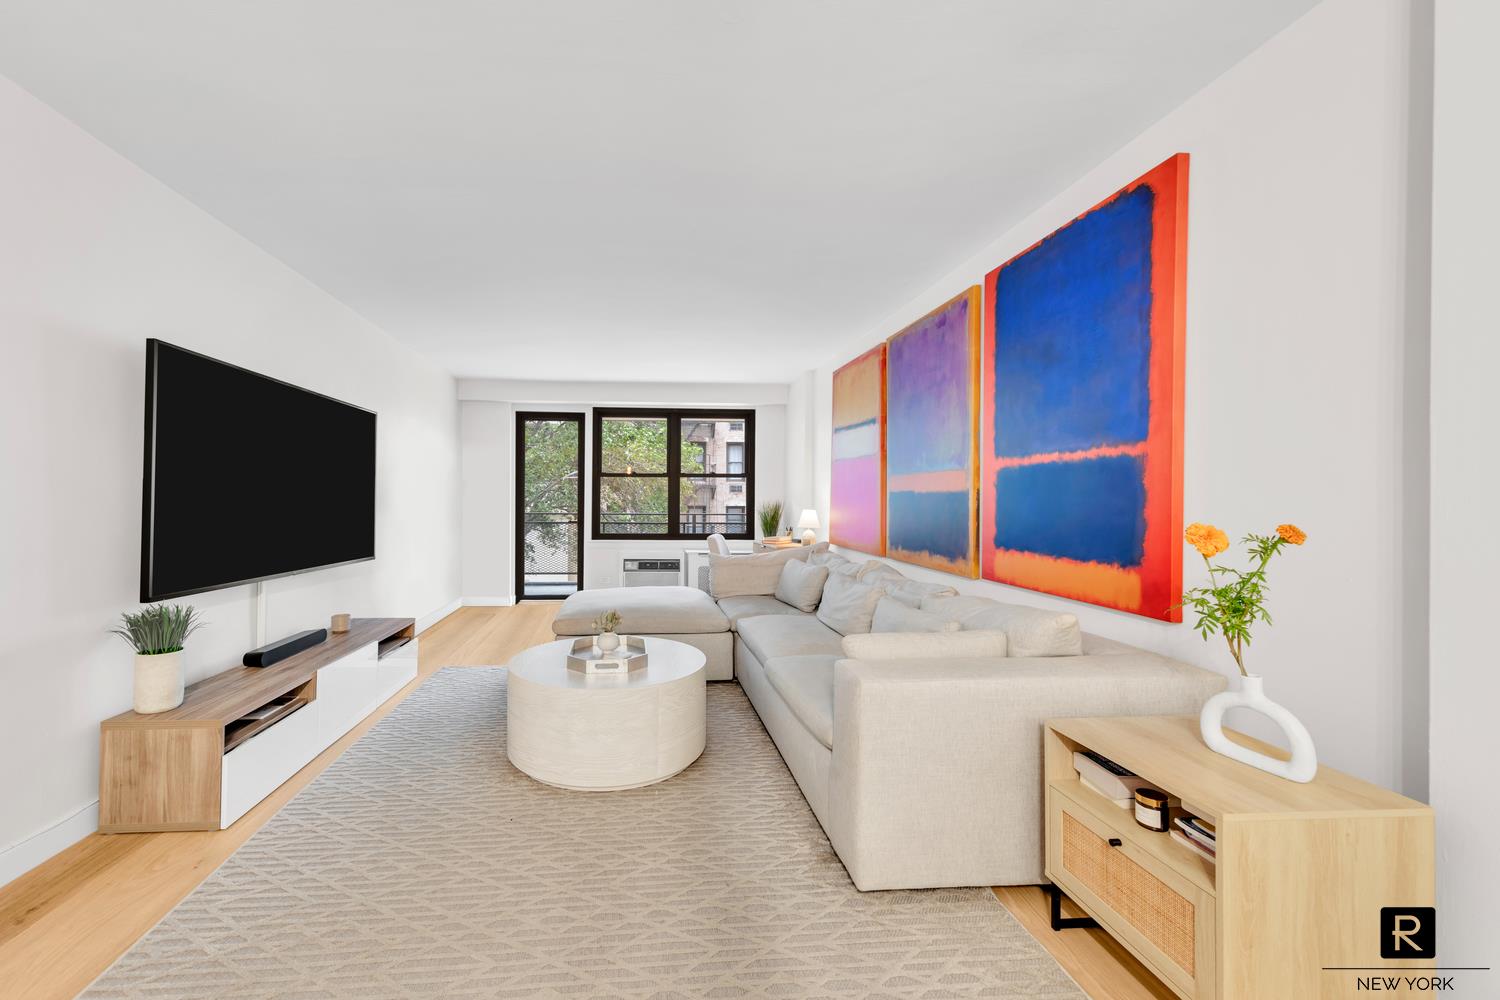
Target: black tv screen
<point x="247" y="477"/>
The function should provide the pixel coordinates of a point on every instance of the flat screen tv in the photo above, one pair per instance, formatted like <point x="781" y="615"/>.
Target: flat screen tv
<point x="247" y="478"/>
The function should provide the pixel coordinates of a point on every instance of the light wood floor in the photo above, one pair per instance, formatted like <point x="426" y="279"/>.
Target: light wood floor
<point x="65" y="922"/>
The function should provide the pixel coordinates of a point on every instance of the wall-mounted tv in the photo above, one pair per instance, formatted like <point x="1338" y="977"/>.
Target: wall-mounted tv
<point x="247" y="478"/>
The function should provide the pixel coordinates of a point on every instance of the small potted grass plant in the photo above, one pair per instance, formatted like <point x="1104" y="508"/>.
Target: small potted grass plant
<point x="770" y="518"/>
<point x="157" y="635"/>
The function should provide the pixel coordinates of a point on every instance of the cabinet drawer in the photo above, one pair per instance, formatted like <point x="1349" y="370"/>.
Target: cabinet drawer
<point x="346" y="690"/>
<point x="255" y="768"/>
<point x="1159" y="914"/>
<point x="397" y="668"/>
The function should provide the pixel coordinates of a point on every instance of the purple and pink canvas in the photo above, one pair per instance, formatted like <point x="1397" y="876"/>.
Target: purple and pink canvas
<point x="857" y="517"/>
<point x="932" y="397"/>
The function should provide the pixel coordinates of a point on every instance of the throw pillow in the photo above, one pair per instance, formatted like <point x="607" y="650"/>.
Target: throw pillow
<point x="874" y="569"/>
<point x="747" y="576"/>
<point x="1032" y="631"/>
<point x="911" y="592"/>
<point x="924" y="645"/>
<point x="848" y="606"/>
<point x="829" y="559"/>
<point x="893" y="616"/>
<point x="801" y="585"/>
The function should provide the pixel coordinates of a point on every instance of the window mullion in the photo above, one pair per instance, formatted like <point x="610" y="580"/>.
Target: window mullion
<point x="674" y="472"/>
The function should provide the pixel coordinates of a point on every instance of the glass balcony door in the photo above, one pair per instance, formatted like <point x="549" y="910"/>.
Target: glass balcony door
<point x="549" y="505"/>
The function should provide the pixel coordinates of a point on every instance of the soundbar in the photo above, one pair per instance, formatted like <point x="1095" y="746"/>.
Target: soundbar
<point x="279" y="650"/>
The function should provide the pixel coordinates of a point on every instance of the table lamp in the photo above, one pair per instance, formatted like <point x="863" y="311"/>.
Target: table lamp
<point x="809" y="522"/>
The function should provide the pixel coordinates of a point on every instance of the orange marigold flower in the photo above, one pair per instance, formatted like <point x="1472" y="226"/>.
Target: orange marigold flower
<point x="1291" y="533"/>
<point x="1207" y="539"/>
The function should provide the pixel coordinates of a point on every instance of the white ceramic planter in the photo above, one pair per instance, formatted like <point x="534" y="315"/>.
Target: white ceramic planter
<point x="1303" y="765"/>
<point x="607" y="642"/>
<point x="158" y="682"/>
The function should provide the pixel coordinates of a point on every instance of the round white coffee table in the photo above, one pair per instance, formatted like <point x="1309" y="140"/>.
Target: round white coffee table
<point x="604" y="732"/>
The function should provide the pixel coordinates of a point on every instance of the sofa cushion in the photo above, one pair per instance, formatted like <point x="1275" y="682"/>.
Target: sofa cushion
<point x="911" y="592"/>
<point x="801" y="585"/>
<point x="893" y="616"/>
<point x="643" y="611"/>
<point x="1032" y="631"/>
<point x="848" y="605"/>
<point x="805" y="683"/>
<point x="751" y="606"/>
<point x="770" y="636"/>
<point x="739" y="576"/>
<point x="1097" y="645"/>
<point x="875" y="569"/>
<point x="925" y="645"/>
<point x="829" y="559"/>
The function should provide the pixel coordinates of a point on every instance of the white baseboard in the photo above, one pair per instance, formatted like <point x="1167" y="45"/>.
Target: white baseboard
<point x="19" y="859"/>
<point x="432" y="618"/>
<point x="488" y="602"/>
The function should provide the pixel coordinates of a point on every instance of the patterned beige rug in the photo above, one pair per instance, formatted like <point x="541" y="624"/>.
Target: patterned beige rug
<point x="421" y="864"/>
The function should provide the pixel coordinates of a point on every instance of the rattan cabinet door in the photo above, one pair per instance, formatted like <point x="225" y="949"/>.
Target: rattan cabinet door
<point x="1164" y="919"/>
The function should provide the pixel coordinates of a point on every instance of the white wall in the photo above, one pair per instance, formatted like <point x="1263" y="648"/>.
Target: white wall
<point x="800" y="445"/>
<point x="488" y="410"/>
<point x="96" y="257"/>
<point x="1465" y="482"/>
<point x="604" y="392"/>
<point x="1298" y="278"/>
<point x="488" y="433"/>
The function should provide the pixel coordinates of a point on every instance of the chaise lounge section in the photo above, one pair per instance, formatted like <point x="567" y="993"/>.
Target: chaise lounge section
<point x="686" y="614"/>
<point x="927" y="772"/>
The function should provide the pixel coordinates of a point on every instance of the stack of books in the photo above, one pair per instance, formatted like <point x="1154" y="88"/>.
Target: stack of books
<point x="1102" y="775"/>
<point x="1196" y="835"/>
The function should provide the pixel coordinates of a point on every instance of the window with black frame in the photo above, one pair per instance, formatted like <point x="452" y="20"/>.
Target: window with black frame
<point x="663" y="473"/>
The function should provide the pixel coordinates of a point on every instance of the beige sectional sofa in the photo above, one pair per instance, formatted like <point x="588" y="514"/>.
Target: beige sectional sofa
<point x="924" y="770"/>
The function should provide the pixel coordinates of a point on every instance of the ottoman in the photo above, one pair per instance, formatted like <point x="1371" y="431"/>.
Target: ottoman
<point x="685" y="614"/>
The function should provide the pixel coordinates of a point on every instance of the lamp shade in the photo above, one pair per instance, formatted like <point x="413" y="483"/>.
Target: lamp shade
<point x="808" y="520"/>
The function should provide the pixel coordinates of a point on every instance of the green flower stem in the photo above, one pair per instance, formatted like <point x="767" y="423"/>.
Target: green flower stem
<point x="1233" y="607"/>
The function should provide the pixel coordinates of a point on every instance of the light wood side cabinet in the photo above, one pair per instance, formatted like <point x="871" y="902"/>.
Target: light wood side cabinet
<point x="1292" y="906"/>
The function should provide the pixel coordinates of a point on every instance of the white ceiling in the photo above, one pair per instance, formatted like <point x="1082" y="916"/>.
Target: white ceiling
<point x="659" y="189"/>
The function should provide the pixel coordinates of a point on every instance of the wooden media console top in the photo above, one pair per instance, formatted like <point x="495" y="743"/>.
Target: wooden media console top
<point x="225" y="697"/>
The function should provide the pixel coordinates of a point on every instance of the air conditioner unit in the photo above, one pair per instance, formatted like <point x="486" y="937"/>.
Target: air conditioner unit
<point x="651" y="572"/>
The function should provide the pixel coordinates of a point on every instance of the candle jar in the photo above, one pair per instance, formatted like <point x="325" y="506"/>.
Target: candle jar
<point x="1151" y="809"/>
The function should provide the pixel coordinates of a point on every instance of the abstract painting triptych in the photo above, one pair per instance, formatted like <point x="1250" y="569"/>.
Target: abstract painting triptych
<point x="1031" y="433"/>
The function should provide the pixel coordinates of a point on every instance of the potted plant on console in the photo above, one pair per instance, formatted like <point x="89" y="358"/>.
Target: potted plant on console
<point x="1230" y="605"/>
<point x="157" y="635"/>
<point x="770" y="518"/>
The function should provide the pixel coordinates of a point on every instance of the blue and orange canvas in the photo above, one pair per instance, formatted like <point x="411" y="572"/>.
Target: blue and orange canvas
<point x="1081" y="451"/>
<point x="932" y="405"/>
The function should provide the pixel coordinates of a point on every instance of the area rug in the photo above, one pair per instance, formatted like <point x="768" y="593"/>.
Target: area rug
<point x="422" y="864"/>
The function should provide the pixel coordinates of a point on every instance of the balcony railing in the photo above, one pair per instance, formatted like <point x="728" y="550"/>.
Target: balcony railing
<point x="550" y="545"/>
<point x="656" y="523"/>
